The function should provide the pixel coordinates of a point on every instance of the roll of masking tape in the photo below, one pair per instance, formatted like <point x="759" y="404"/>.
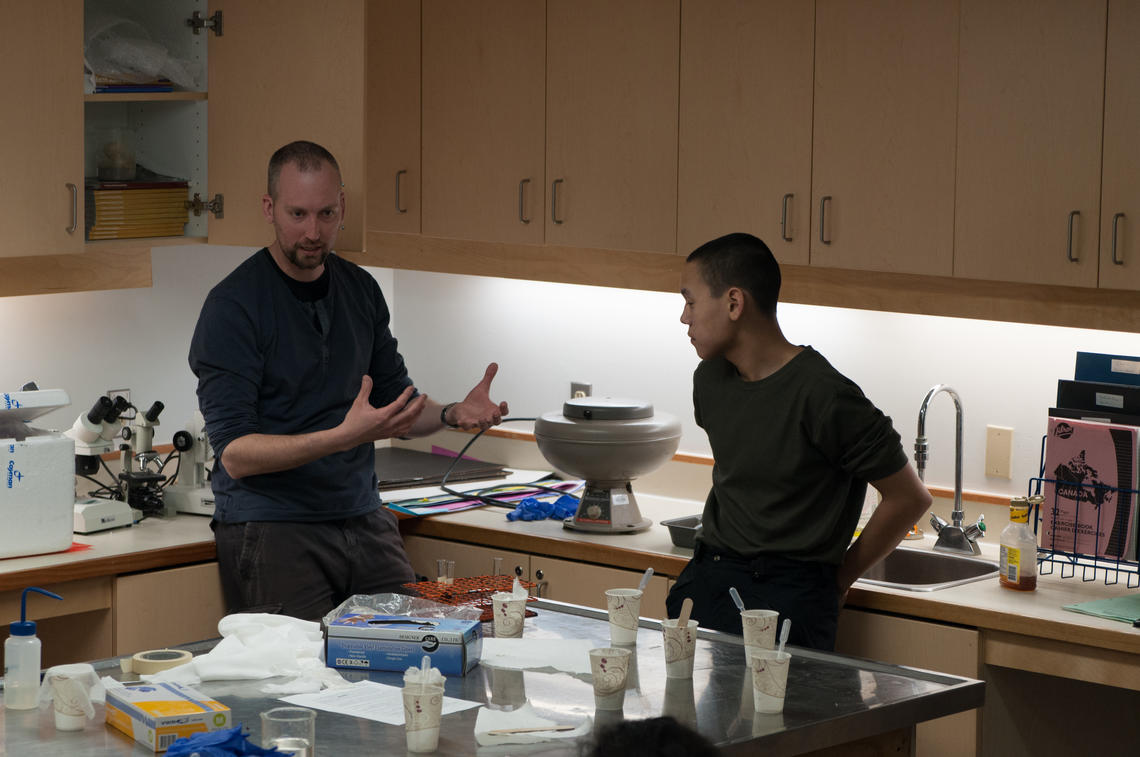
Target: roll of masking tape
<point x="155" y="661"/>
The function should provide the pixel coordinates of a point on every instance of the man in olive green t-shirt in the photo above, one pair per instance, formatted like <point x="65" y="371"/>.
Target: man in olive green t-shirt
<point x="794" y="445"/>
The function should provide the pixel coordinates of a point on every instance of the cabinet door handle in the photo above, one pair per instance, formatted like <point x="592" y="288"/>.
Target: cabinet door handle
<point x="399" y="207"/>
<point x="784" y="217"/>
<point x="540" y="583"/>
<point x="554" y="201"/>
<point x="522" y="196"/>
<point x="74" y="208"/>
<point x="1072" y="216"/>
<point x="1115" y="218"/>
<point x="519" y="571"/>
<point x="823" y="217"/>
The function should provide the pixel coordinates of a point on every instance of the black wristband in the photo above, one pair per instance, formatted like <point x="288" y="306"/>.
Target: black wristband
<point x="443" y="415"/>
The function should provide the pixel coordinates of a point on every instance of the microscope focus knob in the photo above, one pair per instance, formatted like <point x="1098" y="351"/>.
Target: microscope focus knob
<point x="183" y="441"/>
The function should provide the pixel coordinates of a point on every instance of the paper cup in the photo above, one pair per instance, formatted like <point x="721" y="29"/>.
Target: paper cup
<point x="610" y="668"/>
<point x="423" y="706"/>
<point x="293" y="730"/>
<point x="769" y="679"/>
<point x="70" y="700"/>
<point x="680" y="648"/>
<point x="509" y="612"/>
<point x="625" y="608"/>
<point x="759" y="630"/>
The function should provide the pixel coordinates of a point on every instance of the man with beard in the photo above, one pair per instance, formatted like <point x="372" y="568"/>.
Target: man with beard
<point x="298" y="375"/>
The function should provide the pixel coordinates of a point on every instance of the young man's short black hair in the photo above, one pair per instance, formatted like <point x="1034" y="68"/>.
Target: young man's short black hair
<point x="740" y="260"/>
<point x="308" y="156"/>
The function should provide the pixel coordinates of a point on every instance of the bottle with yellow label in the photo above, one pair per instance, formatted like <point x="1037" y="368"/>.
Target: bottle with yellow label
<point x="1018" y="549"/>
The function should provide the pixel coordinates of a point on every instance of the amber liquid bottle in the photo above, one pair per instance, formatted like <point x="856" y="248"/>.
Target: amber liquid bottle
<point x="1018" y="549"/>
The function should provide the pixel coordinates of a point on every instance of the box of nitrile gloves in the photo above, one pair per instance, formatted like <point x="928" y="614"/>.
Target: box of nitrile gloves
<point x="156" y="714"/>
<point x="367" y="641"/>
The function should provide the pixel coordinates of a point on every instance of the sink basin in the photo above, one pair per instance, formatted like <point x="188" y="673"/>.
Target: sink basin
<point x="923" y="570"/>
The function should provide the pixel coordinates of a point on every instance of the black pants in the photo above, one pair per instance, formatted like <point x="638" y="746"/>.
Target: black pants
<point x="306" y="569"/>
<point x="806" y="592"/>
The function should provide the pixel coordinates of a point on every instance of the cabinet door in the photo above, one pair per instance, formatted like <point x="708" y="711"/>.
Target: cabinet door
<point x="295" y="71"/>
<point x="611" y="127"/>
<point x="919" y="644"/>
<point x="883" y="148"/>
<point x="147" y="618"/>
<point x="583" y="584"/>
<point x="41" y="131"/>
<point x="484" y="119"/>
<point x="1120" y="195"/>
<point x="1029" y="141"/>
<point x="392" y="116"/>
<point x="744" y="161"/>
<point x="470" y="560"/>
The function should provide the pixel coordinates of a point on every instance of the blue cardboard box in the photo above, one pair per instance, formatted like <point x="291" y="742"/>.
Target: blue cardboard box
<point x="367" y="641"/>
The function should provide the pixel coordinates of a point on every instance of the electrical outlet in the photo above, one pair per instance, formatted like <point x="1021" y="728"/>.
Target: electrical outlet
<point x="124" y="393"/>
<point x="580" y="389"/>
<point x="999" y="451"/>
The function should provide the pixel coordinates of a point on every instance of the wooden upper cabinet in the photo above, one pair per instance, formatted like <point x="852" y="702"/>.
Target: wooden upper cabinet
<point x="744" y="161"/>
<point x="883" y="150"/>
<point x="392" y="116"/>
<point x="41" y="129"/>
<point x="1029" y="140"/>
<point x="611" y="123"/>
<point x="296" y="72"/>
<point x="484" y="85"/>
<point x="1120" y="194"/>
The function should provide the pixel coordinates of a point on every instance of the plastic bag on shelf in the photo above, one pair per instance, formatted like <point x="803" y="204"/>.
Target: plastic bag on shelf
<point x="119" y="48"/>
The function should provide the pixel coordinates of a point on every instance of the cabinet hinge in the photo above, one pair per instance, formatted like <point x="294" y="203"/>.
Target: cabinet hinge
<point x="197" y="23"/>
<point x="215" y="206"/>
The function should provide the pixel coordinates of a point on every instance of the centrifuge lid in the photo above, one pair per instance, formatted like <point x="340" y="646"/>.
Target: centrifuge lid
<point x="606" y="409"/>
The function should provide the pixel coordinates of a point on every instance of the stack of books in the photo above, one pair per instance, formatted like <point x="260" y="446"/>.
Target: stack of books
<point x="104" y="84"/>
<point x="150" y="207"/>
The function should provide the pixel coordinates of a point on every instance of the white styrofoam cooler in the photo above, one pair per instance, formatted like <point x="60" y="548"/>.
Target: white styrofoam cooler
<point x="37" y="476"/>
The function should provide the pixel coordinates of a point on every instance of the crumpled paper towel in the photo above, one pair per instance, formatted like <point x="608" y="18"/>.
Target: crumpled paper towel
<point x="77" y="682"/>
<point x="415" y="677"/>
<point x="524" y="717"/>
<point x="260" y="645"/>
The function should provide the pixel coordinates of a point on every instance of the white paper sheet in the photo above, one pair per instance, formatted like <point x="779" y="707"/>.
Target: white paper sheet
<point x="369" y="700"/>
<point x="567" y="655"/>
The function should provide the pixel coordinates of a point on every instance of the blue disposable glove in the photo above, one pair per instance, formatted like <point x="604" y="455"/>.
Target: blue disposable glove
<point x="536" y="509"/>
<point x="226" y="742"/>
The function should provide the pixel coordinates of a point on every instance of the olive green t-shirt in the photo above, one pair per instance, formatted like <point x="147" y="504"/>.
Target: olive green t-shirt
<point x="793" y="453"/>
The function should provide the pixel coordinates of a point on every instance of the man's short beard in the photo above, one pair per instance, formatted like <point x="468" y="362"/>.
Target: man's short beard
<point x="295" y="259"/>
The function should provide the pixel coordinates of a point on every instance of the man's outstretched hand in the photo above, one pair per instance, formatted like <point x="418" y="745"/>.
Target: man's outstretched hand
<point x="477" y="411"/>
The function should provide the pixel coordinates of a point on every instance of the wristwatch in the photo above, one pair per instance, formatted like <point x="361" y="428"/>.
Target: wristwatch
<point x="443" y="415"/>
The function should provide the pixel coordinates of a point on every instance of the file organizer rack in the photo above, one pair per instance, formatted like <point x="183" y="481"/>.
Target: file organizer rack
<point x="1061" y="554"/>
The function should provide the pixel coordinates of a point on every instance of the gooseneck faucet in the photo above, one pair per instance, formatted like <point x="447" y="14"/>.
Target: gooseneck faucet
<point x="955" y="536"/>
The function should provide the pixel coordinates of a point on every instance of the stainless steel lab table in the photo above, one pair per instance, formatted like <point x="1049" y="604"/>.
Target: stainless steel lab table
<point x="832" y="700"/>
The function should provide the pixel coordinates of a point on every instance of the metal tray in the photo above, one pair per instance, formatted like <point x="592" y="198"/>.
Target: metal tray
<point x="683" y="531"/>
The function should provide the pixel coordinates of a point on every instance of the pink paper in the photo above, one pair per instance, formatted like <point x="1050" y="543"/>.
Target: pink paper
<point x="1089" y="470"/>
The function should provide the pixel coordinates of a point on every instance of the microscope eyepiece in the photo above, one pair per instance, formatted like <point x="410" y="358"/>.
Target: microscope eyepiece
<point x="152" y="414"/>
<point x="99" y="410"/>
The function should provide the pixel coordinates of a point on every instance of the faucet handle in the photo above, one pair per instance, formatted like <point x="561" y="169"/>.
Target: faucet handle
<point x="977" y="530"/>
<point x="937" y="523"/>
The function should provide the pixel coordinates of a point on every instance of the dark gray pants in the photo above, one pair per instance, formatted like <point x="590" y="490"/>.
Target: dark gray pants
<point x="803" y="591"/>
<point x="306" y="569"/>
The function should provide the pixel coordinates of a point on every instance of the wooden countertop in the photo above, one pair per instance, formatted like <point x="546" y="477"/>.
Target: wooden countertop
<point x="151" y="544"/>
<point x="983" y="604"/>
